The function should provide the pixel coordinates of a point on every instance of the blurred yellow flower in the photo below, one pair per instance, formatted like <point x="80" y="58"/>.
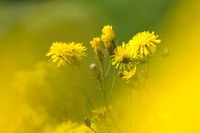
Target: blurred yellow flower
<point x="82" y="129"/>
<point x="72" y="127"/>
<point x="65" y="127"/>
<point x="129" y="74"/>
<point x="78" y="52"/>
<point x="143" y="42"/>
<point x="95" y="43"/>
<point x="108" y="37"/>
<point x="122" y="57"/>
<point x="100" y="114"/>
<point x="71" y="53"/>
<point x="101" y="111"/>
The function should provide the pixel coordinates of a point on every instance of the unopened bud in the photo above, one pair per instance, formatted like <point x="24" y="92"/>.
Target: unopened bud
<point x="100" y="54"/>
<point x="112" y="48"/>
<point x="96" y="74"/>
<point x="93" y="66"/>
<point x="165" y="53"/>
<point x="87" y="122"/>
<point x="120" y="74"/>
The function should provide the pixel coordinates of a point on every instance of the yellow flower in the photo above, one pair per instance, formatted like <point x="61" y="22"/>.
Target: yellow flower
<point x="100" y="114"/>
<point x="108" y="37"/>
<point x="143" y="42"/>
<point x="59" y="52"/>
<point x="72" y="127"/>
<point x="71" y="53"/>
<point x="101" y="111"/>
<point x="95" y="43"/>
<point x="129" y="74"/>
<point x="122" y="57"/>
<point x="66" y="127"/>
<point x="78" y="52"/>
<point x="82" y="129"/>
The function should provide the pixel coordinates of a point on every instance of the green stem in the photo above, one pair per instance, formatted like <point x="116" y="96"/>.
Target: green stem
<point x="83" y="89"/>
<point x="103" y="78"/>
<point x="108" y="70"/>
<point x="113" y="83"/>
<point x="93" y="130"/>
<point x="102" y="84"/>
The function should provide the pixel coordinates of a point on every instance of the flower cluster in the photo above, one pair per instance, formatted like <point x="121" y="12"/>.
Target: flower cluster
<point x="137" y="47"/>
<point x="108" y="37"/>
<point x="66" y="52"/>
<point x="125" y="57"/>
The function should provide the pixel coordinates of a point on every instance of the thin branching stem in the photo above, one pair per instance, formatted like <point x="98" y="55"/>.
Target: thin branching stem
<point x="103" y="77"/>
<point x="108" y="70"/>
<point x="102" y="84"/>
<point x="83" y="89"/>
<point x="93" y="130"/>
<point x="113" y="84"/>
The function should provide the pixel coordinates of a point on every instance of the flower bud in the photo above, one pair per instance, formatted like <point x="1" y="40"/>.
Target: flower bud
<point x="165" y="53"/>
<point x="96" y="74"/>
<point x="108" y="37"/>
<point x="120" y="74"/>
<point x="111" y="48"/>
<point x="95" y="43"/>
<point x="99" y="54"/>
<point x="87" y="122"/>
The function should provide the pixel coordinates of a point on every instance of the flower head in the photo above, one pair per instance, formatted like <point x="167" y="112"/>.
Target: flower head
<point x="101" y="111"/>
<point x="59" y="52"/>
<point x="129" y="74"/>
<point x="108" y="37"/>
<point x="78" y="52"/>
<point x="96" y="45"/>
<point x="143" y="42"/>
<point x="71" y="53"/>
<point x="65" y="127"/>
<point x="100" y="114"/>
<point x="71" y="127"/>
<point x="122" y="57"/>
<point x="82" y="129"/>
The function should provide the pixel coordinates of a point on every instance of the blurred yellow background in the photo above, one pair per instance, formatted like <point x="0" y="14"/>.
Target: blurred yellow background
<point x="36" y="96"/>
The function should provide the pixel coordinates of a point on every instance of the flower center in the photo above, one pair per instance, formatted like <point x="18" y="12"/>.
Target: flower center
<point x="125" y="59"/>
